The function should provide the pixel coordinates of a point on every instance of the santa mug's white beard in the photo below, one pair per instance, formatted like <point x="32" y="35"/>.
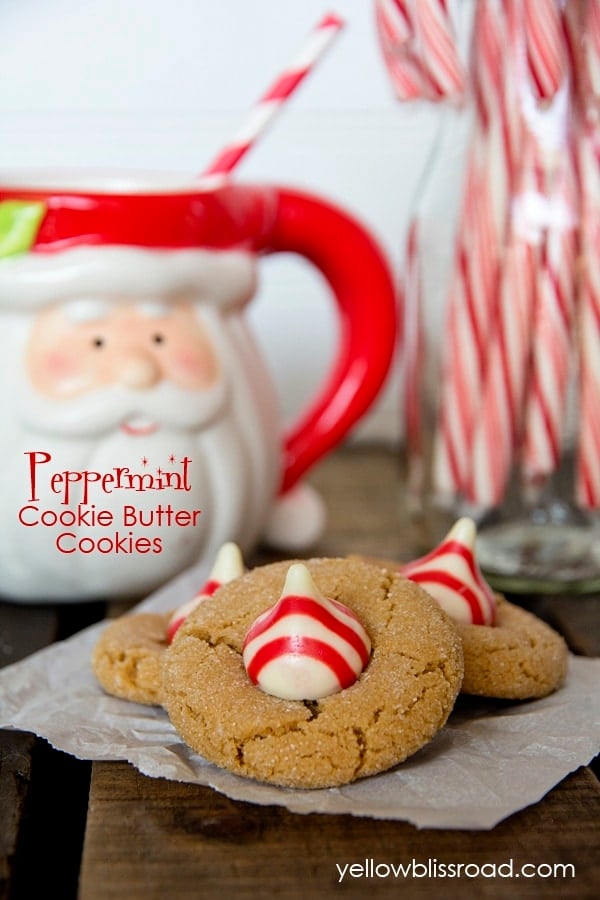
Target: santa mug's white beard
<point x="105" y="409"/>
<point x="232" y="477"/>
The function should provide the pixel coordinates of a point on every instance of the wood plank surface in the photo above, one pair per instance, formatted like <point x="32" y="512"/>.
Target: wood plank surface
<point x="149" y="838"/>
<point x="23" y="630"/>
<point x="33" y="775"/>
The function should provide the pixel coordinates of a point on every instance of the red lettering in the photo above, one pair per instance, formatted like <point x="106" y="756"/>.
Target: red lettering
<point x="36" y="457"/>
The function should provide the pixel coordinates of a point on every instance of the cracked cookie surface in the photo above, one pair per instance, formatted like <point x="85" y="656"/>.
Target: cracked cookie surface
<point x="127" y="657"/>
<point x="401" y="699"/>
<point x="519" y="658"/>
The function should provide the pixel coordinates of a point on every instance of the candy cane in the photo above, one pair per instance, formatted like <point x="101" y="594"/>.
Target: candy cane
<point x="550" y="370"/>
<point x="508" y="374"/>
<point x="587" y="485"/>
<point x="414" y="360"/>
<point x="473" y="291"/>
<point x="544" y="43"/>
<point x="395" y="29"/>
<point x="587" y="476"/>
<point x="272" y="101"/>
<point x="550" y="364"/>
<point x="394" y="20"/>
<point x="498" y="425"/>
<point x="582" y="29"/>
<point x="438" y="48"/>
<point x="463" y="366"/>
<point x="419" y="47"/>
<point x="497" y="430"/>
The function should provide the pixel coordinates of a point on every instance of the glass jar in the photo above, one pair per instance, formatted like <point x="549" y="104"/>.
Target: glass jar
<point x="502" y="302"/>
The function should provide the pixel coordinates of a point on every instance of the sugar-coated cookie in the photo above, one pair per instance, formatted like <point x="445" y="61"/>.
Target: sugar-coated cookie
<point x="401" y="699"/>
<point x="519" y="658"/>
<point x="127" y="657"/>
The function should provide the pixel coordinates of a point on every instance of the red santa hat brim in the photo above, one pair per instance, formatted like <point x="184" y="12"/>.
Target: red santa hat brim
<point x="201" y="240"/>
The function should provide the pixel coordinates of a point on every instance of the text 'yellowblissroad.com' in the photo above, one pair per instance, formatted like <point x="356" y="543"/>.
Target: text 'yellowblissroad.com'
<point x="433" y="868"/>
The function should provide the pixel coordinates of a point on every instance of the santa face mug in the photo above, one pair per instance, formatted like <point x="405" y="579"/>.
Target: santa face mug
<point x="141" y="428"/>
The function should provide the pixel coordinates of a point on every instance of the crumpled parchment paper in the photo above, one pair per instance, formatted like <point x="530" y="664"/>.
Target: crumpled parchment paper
<point x="492" y="758"/>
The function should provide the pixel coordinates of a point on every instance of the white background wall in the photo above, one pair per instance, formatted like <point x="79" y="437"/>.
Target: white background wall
<point x="149" y="84"/>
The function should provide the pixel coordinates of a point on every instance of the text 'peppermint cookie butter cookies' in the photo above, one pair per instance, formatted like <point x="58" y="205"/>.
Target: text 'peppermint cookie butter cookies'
<point x="398" y="702"/>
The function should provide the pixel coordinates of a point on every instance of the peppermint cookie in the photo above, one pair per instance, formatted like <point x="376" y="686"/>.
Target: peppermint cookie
<point x="127" y="658"/>
<point x="518" y="658"/>
<point x="508" y="653"/>
<point x="412" y="673"/>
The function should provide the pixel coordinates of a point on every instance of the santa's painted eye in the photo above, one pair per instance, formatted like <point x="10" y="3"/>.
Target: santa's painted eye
<point x="98" y="342"/>
<point x="158" y="338"/>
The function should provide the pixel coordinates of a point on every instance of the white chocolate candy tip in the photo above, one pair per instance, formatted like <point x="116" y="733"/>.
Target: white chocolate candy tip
<point x="229" y="563"/>
<point x="299" y="582"/>
<point x="227" y="566"/>
<point x="465" y="531"/>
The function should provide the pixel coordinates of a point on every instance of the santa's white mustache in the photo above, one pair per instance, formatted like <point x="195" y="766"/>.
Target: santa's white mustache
<point x="106" y="409"/>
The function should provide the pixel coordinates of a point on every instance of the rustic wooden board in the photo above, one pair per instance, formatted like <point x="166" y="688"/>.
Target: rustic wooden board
<point x="15" y="777"/>
<point x="23" y="629"/>
<point x="34" y="778"/>
<point x="151" y="839"/>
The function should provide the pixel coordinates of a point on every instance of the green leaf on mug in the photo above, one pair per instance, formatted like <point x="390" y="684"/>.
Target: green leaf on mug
<point x="19" y="223"/>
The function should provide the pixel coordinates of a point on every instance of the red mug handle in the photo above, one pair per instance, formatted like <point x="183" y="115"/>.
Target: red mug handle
<point x="362" y="285"/>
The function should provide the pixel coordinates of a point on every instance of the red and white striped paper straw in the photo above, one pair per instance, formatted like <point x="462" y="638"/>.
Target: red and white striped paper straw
<point x="272" y="101"/>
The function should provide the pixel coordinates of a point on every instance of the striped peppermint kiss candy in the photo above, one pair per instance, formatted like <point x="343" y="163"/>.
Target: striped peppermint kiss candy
<point x="306" y="646"/>
<point x="228" y="565"/>
<point x="451" y="575"/>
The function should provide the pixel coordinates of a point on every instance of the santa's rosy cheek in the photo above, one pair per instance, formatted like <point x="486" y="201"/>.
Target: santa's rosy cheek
<point x="53" y="371"/>
<point x="192" y="369"/>
<point x="60" y="365"/>
<point x="61" y="374"/>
